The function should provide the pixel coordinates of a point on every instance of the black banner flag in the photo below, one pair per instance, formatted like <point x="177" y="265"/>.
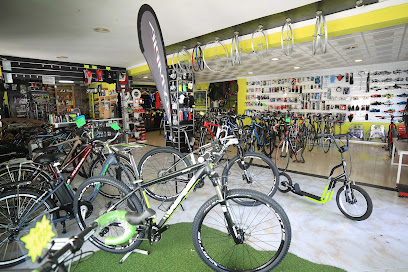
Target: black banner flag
<point x="152" y="46"/>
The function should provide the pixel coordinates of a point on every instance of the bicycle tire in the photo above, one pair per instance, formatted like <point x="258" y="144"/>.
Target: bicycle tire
<point x="343" y="204"/>
<point x="205" y="137"/>
<point x="255" y="175"/>
<point x="235" y="49"/>
<point x="88" y="207"/>
<point x="184" y="60"/>
<point x="260" y="53"/>
<point x="175" y="64"/>
<point x="287" y="40"/>
<point x="123" y="171"/>
<point x="285" y="182"/>
<point x="320" y="27"/>
<point x="214" y="62"/>
<point x="158" y="162"/>
<point x="12" y="249"/>
<point x="326" y="143"/>
<point x="269" y="143"/>
<point x="26" y="172"/>
<point x="282" y="155"/>
<point x="393" y="134"/>
<point x="250" y="142"/>
<point x="197" y="58"/>
<point x="311" y="138"/>
<point x="271" y="232"/>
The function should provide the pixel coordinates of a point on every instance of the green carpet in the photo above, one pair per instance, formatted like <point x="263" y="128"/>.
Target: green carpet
<point x="175" y="252"/>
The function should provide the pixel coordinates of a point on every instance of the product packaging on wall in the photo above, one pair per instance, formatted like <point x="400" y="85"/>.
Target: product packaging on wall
<point x="370" y="93"/>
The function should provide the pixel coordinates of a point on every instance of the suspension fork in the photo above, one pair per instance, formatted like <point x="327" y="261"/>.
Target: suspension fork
<point x="221" y="192"/>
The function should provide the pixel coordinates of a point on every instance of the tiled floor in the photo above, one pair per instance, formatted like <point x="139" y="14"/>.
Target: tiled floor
<point x="321" y="233"/>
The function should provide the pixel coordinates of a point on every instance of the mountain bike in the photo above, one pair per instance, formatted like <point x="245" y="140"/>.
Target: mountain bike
<point x="258" y="234"/>
<point x="261" y="135"/>
<point x="352" y="200"/>
<point x="245" y="170"/>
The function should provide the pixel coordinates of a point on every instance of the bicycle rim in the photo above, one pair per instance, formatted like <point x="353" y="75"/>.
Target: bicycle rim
<point x="265" y="227"/>
<point x="215" y="56"/>
<point x="287" y="39"/>
<point x="184" y="60"/>
<point x="259" y="43"/>
<point x="235" y="50"/>
<point x="12" y="249"/>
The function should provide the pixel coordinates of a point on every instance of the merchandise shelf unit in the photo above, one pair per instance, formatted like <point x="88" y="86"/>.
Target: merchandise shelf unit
<point x="181" y="94"/>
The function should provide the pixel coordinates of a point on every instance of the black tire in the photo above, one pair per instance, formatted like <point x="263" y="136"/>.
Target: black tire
<point x="326" y="143"/>
<point x="393" y="134"/>
<point x="123" y="171"/>
<point x="205" y="137"/>
<point x="282" y="155"/>
<point x="161" y="161"/>
<point x="250" y="141"/>
<point x="270" y="233"/>
<point x="253" y="171"/>
<point x="285" y="182"/>
<point x="89" y="204"/>
<point x="12" y="249"/>
<point x="268" y="143"/>
<point x="361" y="206"/>
<point x="40" y="180"/>
<point x="312" y="138"/>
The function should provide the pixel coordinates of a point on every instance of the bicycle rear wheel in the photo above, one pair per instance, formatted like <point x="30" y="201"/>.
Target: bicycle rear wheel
<point x="26" y="172"/>
<point x="354" y="203"/>
<point x="253" y="171"/>
<point x="13" y="205"/>
<point x="159" y="162"/>
<point x="311" y="138"/>
<point x="326" y="143"/>
<point x="264" y="232"/>
<point x="90" y="204"/>
<point x="282" y="155"/>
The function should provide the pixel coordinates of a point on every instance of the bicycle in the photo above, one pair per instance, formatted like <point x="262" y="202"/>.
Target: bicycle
<point x="262" y="224"/>
<point x="288" y="148"/>
<point x="245" y="170"/>
<point x="352" y="200"/>
<point x="21" y="206"/>
<point x="261" y="135"/>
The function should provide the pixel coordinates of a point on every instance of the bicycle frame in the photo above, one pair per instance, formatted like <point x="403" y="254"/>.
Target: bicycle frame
<point x="200" y="170"/>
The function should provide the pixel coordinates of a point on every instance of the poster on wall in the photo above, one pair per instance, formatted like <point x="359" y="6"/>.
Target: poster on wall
<point x="8" y="77"/>
<point x="152" y="46"/>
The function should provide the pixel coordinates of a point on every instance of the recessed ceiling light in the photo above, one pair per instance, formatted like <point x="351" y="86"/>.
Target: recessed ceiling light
<point x="61" y="57"/>
<point x="145" y="77"/>
<point x="275" y="59"/>
<point x="296" y="67"/>
<point x="358" y="60"/>
<point x="101" y="29"/>
<point x="250" y="73"/>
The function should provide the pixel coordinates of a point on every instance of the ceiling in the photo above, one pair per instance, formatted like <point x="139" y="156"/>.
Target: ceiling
<point x="375" y="46"/>
<point x="45" y="29"/>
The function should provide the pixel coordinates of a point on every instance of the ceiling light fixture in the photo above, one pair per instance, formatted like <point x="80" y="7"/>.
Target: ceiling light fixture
<point x="275" y="59"/>
<point x="61" y="57"/>
<point x="101" y="29"/>
<point x="250" y="73"/>
<point x="296" y="67"/>
<point x="145" y="77"/>
<point x="358" y="60"/>
<point x="65" y="81"/>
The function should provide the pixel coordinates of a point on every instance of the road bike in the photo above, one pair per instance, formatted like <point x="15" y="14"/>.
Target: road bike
<point x="352" y="200"/>
<point x="257" y="235"/>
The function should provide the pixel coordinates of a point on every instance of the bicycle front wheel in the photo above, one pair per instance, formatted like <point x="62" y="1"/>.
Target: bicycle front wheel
<point x="354" y="203"/>
<point x="90" y="204"/>
<point x="282" y="155"/>
<point x="253" y="171"/>
<point x="14" y="204"/>
<point x="159" y="162"/>
<point x="263" y="231"/>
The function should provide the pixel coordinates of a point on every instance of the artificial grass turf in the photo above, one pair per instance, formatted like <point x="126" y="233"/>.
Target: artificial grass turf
<point x="175" y="252"/>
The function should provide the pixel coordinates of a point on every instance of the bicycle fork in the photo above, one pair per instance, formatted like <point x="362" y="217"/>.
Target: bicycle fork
<point x="221" y="191"/>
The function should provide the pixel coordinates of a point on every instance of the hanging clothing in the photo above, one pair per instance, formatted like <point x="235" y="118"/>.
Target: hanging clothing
<point x="157" y="101"/>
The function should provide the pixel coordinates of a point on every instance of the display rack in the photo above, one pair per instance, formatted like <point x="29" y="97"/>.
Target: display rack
<point x="366" y="94"/>
<point x="181" y="89"/>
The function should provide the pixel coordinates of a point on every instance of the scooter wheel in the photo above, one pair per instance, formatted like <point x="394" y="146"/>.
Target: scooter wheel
<point x="285" y="182"/>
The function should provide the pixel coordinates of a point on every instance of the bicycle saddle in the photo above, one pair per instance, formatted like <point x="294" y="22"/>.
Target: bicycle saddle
<point x="45" y="149"/>
<point x="48" y="158"/>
